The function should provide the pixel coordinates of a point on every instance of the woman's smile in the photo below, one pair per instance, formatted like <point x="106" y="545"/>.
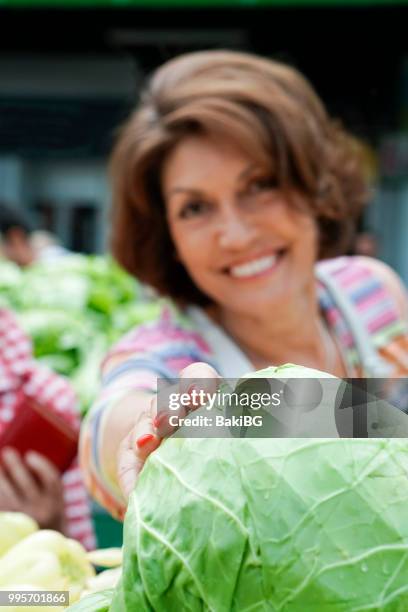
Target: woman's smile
<point x="255" y="267"/>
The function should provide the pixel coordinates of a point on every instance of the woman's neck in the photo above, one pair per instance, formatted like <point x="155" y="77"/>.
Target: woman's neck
<point x="279" y="334"/>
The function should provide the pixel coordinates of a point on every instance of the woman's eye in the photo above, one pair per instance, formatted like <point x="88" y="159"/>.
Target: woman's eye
<point x="193" y="209"/>
<point x="260" y="184"/>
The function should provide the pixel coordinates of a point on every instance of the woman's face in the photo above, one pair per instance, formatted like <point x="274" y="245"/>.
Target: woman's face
<point x="240" y="240"/>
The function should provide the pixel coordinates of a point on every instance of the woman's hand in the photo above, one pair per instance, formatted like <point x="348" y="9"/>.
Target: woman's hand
<point x="32" y="485"/>
<point x="152" y="425"/>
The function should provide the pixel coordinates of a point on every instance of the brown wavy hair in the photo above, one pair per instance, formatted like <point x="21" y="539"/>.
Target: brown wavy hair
<point x="265" y="107"/>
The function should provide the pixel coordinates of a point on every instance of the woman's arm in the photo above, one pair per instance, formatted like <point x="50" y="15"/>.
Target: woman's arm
<point x="119" y="434"/>
<point x="120" y="418"/>
<point x="121" y="405"/>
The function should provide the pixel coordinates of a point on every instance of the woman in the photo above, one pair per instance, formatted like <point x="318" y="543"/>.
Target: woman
<point x="230" y="182"/>
<point x="32" y="484"/>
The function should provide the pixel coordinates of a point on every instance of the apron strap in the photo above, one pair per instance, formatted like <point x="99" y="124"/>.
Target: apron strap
<point x="373" y="364"/>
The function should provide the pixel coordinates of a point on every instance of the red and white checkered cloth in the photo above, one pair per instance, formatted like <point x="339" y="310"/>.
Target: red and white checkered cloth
<point x="20" y="373"/>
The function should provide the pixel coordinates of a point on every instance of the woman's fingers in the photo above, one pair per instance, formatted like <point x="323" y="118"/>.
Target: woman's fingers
<point x="152" y="423"/>
<point x="132" y="457"/>
<point x="136" y="447"/>
<point x="163" y="409"/>
<point x="127" y="466"/>
<point x="197" y="381"/>
<point x="200" y="375"/>
<point x="19" y="474"/>
<point x="145" y="439"/>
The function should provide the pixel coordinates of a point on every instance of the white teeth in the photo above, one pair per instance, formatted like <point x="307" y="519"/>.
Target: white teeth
<point x="254" y="267"/>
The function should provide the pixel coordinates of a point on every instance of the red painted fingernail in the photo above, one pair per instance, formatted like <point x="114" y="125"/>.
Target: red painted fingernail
<point x="144" y="440"/>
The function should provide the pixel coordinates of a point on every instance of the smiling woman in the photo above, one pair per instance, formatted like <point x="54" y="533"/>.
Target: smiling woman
<point x="234" y="193"/>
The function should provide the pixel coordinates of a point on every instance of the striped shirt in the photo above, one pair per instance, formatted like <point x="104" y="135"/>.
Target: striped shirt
<point x="178" y="339"/>
<point x="21" y="376"/>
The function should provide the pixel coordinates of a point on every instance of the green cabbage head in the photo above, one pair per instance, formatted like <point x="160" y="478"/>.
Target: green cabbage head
<point x="253" y="525"/>
<point x="256" y="524"/>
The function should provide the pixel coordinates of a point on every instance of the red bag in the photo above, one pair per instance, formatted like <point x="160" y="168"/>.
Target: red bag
<point x="36" y="427"/>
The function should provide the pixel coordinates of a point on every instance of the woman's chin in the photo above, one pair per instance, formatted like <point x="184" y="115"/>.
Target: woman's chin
<point x="258" y="302"/>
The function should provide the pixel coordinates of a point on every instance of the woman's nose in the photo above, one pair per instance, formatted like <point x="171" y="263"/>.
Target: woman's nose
<point x="235" y="232"/>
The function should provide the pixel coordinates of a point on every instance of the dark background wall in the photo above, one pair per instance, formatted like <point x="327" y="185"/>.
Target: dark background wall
<point x="69" y="77"/>
<point x="353" y="55"/>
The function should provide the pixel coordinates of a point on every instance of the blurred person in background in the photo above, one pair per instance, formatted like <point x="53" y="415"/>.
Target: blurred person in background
<point x="21" y="243"/>
<point x="32" y="484"/>
<point x="234" y="194"/>
<point x="46" y="246"/>
<point x="15" y="232"/>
